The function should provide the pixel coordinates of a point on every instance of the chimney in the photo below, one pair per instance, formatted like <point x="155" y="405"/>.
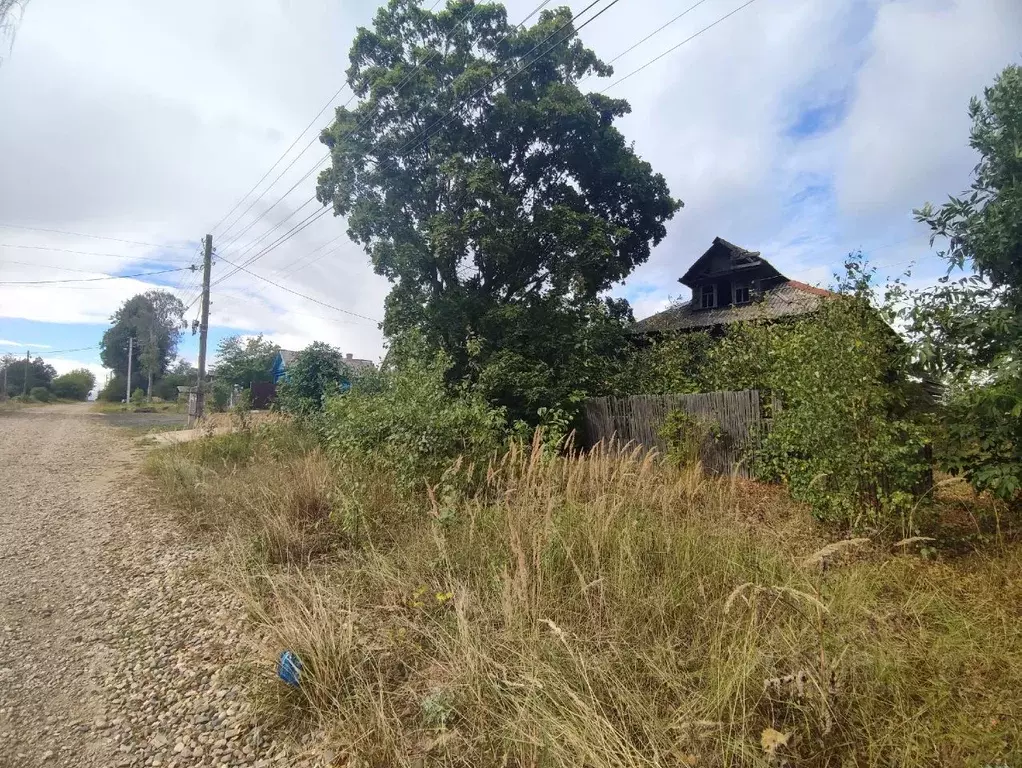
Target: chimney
<point x="348" y="356"/>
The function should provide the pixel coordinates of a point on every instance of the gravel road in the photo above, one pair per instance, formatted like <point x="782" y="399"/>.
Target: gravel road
<point x="114" y="650"/>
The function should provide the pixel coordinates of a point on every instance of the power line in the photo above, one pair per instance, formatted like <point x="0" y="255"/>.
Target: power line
<point x="87" y="253"/>
<point x="94" y="237"/>
<point x="255" y="221"/>
<point x="278" y="160"/>
<point x="672" y="49"/>
<point x="302" y="295"/>
<point x="307" y="221"/>
<point x="90" y="279"/>
<point x="424" y="134"/>
<point x="656" y="31"/>
<point x="472" y="12"/>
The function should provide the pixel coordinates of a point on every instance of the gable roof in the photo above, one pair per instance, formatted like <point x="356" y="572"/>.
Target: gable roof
<point x="788" y="299"/>
<point x="723" y="258"/>
<point x="287" y="356"/>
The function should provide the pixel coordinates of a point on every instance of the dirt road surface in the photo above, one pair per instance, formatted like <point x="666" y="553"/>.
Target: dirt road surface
<point x="115" y="650"/>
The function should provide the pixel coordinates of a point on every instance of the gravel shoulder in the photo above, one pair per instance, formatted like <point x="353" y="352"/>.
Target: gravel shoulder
<point x="115" y="649"/>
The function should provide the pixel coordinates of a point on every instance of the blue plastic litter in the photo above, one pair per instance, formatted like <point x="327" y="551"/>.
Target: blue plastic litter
<point x="289" y="668"/>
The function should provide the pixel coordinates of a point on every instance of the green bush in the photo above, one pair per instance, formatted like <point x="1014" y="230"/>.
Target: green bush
<point x="74" y="385"/>
<point x="315" y="374"/>
<point x="410" y="423"/>
<point x="848" y="441"/>
<point x="219" y="396"/>
<point x="137" y="397"/>
<point x="113" y="392"/>
<point x="41" y="394"/>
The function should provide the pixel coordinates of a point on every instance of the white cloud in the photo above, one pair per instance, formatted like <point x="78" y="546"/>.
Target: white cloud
<point x="152" y="124"/>
<point x="20" y="344"/>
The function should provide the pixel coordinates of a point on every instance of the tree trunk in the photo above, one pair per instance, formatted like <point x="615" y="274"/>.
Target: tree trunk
<point x="149" y="390"/>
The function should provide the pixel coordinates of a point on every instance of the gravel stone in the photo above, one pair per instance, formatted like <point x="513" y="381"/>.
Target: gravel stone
<point x="115" y="650"/>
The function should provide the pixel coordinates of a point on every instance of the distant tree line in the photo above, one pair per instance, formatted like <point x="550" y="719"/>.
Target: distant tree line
<point x="36" y="379"/>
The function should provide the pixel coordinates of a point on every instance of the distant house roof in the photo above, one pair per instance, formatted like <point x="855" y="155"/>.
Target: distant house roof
<point x="287" y="356"/>
<point x="357" y="363"/>
<point x="723" y="264"/>
<point x="724" y="258"/>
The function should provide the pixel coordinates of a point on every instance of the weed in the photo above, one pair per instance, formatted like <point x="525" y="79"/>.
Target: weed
<point x="606" y="610"/>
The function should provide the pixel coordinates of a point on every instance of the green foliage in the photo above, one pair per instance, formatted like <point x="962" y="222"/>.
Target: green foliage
<point x="41" y="394"/>
<point x="40" y="374"/>
<point x="843" y="441"/>
<point x="244" y="362"/>
<point x="968" y="331"/>
<point x="316" y="373"/>
<point x="219" y="396"/>
<point x="686" y="436"/>
<point x="154" y="319"/>
<point x="113" y="391"/>
<point x="674" y="364"/>
<point x="137" y="397"/>
<point x="74" y="385"/>
<point x="409" y="423"/>
<point x="505" y="227"/>
<point x="847" y="440"/>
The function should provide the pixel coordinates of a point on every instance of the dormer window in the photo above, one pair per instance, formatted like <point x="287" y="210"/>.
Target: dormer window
<point x="708" y="296"/>
<point x="740" y="293"/>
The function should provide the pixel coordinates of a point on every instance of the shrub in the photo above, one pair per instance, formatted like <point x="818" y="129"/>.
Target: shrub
<point x="137" y="397"/>
<point x="410" y="423"/>
<point x="219" y="396"/>
<point x="113" y="392"/>
<point x="316" y="373"/>
<point x="74" y="385"/>
<point x="41" y="394"/>
<point x="686" y="435"/>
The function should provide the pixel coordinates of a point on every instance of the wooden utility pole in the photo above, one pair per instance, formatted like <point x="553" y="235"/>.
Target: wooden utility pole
<point x="127" y="387"/>
<point x="207" y="263"/>
<point x="24" y="388"/>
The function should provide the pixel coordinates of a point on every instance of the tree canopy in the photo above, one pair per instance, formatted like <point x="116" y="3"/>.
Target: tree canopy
<point x="40" y="373"/>
<point x="243" y="362"/>
<point x="486" y="185"/>
<point x="74" y="385"/>
<point x="969" y="329"/>
<point x="154" y="319"/>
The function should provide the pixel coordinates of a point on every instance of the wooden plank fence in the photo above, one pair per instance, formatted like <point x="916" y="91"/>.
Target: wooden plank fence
<point x="638" y="419"/>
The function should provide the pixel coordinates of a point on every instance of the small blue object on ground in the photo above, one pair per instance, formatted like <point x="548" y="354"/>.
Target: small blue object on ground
<point x="289" y="667"/>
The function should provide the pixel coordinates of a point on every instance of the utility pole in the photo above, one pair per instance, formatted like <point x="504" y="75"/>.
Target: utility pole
<point x="207" y="263"/>
<point x="24" y="388"/>
<point x="127" y="387"/>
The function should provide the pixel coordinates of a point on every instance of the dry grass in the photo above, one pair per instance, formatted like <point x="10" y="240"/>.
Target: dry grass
<point x="605" y="611"/>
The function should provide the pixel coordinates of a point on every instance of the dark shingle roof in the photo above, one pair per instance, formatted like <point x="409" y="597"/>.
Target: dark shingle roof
<point x="788" y="299"/>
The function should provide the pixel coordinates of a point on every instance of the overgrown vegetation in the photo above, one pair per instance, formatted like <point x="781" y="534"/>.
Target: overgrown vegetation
<point x="850" y="435"/>
<point x="602" y="610"/>
<point x="968" y="331"/>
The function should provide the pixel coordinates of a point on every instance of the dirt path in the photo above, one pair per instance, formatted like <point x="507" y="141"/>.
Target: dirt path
<point x="113" y="650"/>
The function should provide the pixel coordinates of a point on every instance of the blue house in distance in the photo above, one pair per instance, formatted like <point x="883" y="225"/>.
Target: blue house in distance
<point x="285" y="357"/>
<point x="280" y="363"/>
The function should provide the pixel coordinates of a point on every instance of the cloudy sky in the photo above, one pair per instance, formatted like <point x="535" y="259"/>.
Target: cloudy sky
<point x="800" y="128"/>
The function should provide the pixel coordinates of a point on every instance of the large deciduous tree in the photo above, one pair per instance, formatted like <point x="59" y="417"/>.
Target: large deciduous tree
<point x="969" y="330"/>
<point x="243" y="362"/>
<point x="154" y="319"/>
<point x="496" y="195"/>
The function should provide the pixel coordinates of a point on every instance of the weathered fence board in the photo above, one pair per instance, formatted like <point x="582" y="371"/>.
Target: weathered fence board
<point x="638" y="419"/>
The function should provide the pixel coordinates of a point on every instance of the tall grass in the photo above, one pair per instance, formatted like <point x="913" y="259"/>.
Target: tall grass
<point x="604" y="610"/>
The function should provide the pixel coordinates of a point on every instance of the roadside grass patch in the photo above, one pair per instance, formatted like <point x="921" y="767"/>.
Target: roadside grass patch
<point x="606" y="610"/>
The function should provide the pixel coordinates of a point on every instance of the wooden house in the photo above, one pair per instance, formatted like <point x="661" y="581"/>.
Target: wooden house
<point x="729" y="285"/>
